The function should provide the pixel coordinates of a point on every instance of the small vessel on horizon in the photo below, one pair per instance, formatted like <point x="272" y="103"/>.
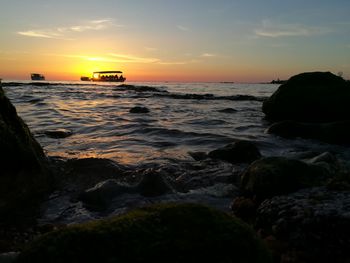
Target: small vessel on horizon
<point x="108" y="76"/>
<point x="37" y="76"/>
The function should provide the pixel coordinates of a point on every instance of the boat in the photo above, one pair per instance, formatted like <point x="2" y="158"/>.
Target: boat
<point x="83" y="78"/>
<point x="109" y="76"/>
<point x="37" y="76"/>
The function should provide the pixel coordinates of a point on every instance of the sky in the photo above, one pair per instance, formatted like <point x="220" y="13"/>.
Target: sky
<point x="174" y="40"/>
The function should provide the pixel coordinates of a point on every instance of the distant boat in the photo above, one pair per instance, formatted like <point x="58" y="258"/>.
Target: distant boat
<point x="37" y="76"/>
<point x="109" y="76"/>
<point x="85" y="78"/>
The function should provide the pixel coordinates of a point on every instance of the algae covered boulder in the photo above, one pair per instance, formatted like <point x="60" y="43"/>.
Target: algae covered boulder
<point x="160" y="233"/>
<point x="22" y="171"/>
<point x="310" y="97"/>
<point x="273" y="176"/>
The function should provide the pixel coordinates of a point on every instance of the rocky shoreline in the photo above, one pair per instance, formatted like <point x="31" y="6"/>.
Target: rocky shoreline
<point x="293" y="210"/>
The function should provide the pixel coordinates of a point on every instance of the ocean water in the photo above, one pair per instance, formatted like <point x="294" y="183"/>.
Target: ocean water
<point x="183" y="117"/>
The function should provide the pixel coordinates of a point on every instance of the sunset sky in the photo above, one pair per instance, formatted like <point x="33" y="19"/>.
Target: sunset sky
<point x="174" y="40"/>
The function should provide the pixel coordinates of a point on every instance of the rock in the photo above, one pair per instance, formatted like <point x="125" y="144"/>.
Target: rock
<point x="228" y="110"/>
<point x="79" y="175"/>
<point x="58" y="133"/>
<point x="273" y="176"/>
<point x="8" y="257"/>
<point x="99" y="196"/>
<point x="139" y="109"/>
<point x="23" y="176"/>
<point x="162" y="233"/>
<point x="244" y="208"/>
<point x="198" y="156"/>
<point x="313" y="222"/>
<point x="310" y="97"/>
<point x="332" y="132"/>
<point x="238" y="152"/>
<point x="327" y="161"/>
<point x="153" y="184"/>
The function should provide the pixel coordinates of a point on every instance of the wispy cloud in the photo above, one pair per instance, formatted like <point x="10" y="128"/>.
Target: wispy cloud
<point x="133" y="59"/>
<point x="151" y="49"/>
<point x="64" y="32"/>
<point x="183" y="28"/>
<point x="122" y="58"/>
<point x="41" y="34"/>
<point x="207" y="55"/>
<point x="274" y="30"/>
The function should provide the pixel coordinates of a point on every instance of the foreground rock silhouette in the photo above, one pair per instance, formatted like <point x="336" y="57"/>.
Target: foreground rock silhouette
<point x="23" y="172"/>
<point x="160" y="233"/>
<point x="310" y="97"/>
<point x="312" y="105"/>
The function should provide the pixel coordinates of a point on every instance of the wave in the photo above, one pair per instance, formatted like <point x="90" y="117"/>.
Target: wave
<point x="140" y="88"/>
<point x="40" y="84"/>
<point x="208" y="96"/>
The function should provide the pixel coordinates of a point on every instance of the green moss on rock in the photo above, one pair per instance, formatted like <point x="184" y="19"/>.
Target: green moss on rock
<point x="160" y="233"/>
<point x="273" y="176"/>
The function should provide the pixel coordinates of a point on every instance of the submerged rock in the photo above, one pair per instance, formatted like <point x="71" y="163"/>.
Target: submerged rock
<point x="238" y="152"/>
<point x="58" y="133"/>
<point x="23" y="174"/>
<point x="314" y="223"/>
<point x="310" y="97"/>
<point x="161" y="233"/>
<point x="228" y="110"/>
<point x="139" y="109"/>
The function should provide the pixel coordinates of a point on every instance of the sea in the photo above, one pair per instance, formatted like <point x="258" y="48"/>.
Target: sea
<point x="183" y="118"/>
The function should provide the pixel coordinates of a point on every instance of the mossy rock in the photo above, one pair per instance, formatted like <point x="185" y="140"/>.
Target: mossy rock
<point x="160" y="233"/>
<point x="273" y="176"/>
<point x="310" y="97"/>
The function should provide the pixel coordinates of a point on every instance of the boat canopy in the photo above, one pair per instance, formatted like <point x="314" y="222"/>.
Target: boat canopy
<point x="107" y="72"/>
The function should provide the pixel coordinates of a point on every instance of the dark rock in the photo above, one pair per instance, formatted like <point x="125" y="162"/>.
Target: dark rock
<point x="313" y="222"/>
<point x="273" y="176"/>
<point x="238" y="152"/>
<point x="23" y="175"/>
<point x="139" y="109"/>
<point x="99" y="197"/>
<point x="310" y="97"/>
<point x="162" y="233"/>
<point x="81" y="174"/>
<point x="332" y="132"/>
<point x="58" y="133"/>
<point x="244" y="208"/>
<point x="198" y="156"/>
<point x="153" y="184"/>
<point x="228" y="110"/>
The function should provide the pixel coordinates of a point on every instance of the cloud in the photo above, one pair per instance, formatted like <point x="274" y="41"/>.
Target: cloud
<point x="133" y="59"/>
<point x="151" y="49"/>
<point x="62" y="32"/>
<point x="207" y="55"/>
<point x="122" y="58"/>
<point x="273" y="30"/>
<point x="40" y="33"/>
<point x="183" y="28"/>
